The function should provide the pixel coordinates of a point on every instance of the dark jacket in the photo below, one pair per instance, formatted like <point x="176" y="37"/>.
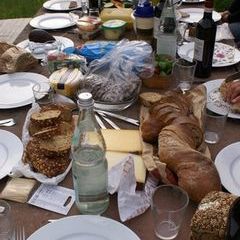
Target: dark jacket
<point x="234" y="10"/>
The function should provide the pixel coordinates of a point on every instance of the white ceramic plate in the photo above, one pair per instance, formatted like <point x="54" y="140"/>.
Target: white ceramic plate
<point x="84" y="227"/>
<point x="60" y="5"/>
<point x="186" y="51"/>
<point x="193" y="1"/>
<point x="16" y="88"/>
<point x="196" y="14"/>
<point x="11" y="150"/>
<point x="66" y="42"/>
<point x="228" y="164"/>
<point x="213" y="95"/>
<point x="51" y="21"/>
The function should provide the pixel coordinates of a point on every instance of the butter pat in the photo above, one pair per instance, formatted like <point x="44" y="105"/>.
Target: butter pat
<point x="114" y="158"/>
<point x="127" y="141"/>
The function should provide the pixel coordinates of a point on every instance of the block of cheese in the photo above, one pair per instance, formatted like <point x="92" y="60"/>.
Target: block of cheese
<point x="114" y="158"/>
<point x="122" y="140"/>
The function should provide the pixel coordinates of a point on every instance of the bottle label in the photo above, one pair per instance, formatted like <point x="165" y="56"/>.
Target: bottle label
<point x="198" y="49"/>
<point x="156" y="27"/>
<point x="166" y="44"/>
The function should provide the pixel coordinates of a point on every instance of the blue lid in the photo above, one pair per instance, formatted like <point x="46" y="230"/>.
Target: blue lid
<point x="144" y="10"/>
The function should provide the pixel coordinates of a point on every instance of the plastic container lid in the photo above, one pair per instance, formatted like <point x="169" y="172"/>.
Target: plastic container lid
<point x="113" y="24"/>
<point x="145" y="10"/>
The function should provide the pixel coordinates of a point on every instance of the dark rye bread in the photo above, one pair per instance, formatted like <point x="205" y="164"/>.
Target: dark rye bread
<point x="50" y="166"/>
<point x="58" y="145"/>
<point x="46" y="118"/>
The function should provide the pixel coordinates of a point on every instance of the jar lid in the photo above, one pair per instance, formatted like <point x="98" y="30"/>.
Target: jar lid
<point x="145" y="10"/>
<point x="113" y="24"/>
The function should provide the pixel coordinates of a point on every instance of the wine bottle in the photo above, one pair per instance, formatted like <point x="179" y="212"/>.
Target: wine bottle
<point x="204" y="42"/>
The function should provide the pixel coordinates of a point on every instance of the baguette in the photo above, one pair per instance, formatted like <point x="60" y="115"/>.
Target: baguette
<point x="196" y="173"/>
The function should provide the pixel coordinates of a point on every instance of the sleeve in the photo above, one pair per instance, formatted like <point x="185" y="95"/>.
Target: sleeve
<point x="234" y="17"/>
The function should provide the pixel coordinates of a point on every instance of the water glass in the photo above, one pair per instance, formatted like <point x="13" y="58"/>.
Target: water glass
<point x="168" y="206"/>
<point x="6" y="222"/>
<point x="215" y="119"/>
<point x="183" y="72"/>
<point x="43" y="93"/>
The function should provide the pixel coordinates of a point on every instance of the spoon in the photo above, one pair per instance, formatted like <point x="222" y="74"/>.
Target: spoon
<point x="10" y="123"/>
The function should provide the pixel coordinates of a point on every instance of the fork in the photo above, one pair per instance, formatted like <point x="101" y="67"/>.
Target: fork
<point x="20" y="233"/>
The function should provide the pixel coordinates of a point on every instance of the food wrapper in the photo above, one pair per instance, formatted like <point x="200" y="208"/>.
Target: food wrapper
<point x="18" y="189"/>
<point x="121" y="179"/>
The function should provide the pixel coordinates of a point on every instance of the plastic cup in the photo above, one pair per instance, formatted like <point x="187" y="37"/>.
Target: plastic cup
<point x="183" y="72"/>
<point x="43" y="93"/>
<point x="215" y="119"/>
<point x="168" y="206"/>
<point x="6" y="222"/>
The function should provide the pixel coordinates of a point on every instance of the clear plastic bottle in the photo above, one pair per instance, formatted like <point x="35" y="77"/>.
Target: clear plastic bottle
<point x="89" y="167"/>
<point x="167" y="34"/>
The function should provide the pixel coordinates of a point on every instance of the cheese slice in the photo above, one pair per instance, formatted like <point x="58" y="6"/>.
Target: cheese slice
<point x="114" y="158"/>
<point x="122" y="140"/>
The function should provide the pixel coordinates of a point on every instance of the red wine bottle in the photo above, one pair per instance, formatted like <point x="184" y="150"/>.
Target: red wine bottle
<point x="204" y="42"/>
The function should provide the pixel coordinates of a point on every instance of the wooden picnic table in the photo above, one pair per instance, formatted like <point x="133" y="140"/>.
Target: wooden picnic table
<point x="33" y="218"/>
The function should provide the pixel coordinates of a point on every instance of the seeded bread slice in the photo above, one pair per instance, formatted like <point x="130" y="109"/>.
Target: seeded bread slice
<point x="49" y="166"/>
<point x="66" y="113"/>
<point x="46" y="118"/>
<point x="56" y="146"/>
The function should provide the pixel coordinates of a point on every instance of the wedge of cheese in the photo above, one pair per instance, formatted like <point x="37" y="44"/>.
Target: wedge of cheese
<point x="127" y="141"/>
<point x="114" y="158"/>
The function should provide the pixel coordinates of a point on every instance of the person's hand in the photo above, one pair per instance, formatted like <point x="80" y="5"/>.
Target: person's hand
<point x="233" y="92"/>
<point x="225" y="15"/>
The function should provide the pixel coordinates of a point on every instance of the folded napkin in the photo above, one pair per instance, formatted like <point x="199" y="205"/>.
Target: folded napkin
<point x="131" y="203"/>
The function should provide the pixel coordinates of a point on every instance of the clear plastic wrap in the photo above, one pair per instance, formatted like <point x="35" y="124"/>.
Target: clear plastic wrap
<point x="115" y="77"/>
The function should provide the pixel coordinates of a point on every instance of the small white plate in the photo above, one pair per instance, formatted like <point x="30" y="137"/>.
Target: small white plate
<point x="196" y="14"/>
<point x="66" y="42"/>
<point x="84" y="227"/>
<point x="60" y="5"/>
<point x="11" y="150"/>
<point x="16" y="89"/>
<point x="228" y="164"/>
<point x="186" y="51"/>
<point x="214" y="95"/>
<point x="193" y="1"/>
<point x="51" y="21"/>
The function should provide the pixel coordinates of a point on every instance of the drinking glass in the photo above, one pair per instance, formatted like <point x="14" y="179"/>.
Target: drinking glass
<point x="6" y="223"/>
<point x="183" y="72"/>
<point x="215" y="119"/>
<point x="43" y="93"/>
<point x="168" y="206"/>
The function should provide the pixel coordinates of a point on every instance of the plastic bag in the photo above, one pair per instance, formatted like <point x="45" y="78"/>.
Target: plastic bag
<point x="115" y="77"/>
<point x="96" y="50"/>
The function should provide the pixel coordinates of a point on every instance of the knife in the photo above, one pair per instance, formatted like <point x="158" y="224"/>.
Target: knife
<point x="100" y="122"/>
<point x="126" y="119"/>
<point x="110" y="122"/>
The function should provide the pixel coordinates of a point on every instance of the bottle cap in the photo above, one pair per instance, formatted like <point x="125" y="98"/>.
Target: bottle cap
<point x="144" y="10"/>
<point x="85" y="99"/>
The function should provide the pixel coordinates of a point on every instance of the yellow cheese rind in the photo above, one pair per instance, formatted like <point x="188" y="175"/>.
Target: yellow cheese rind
<point x="114" y="158"/>
<point x="128" y="141"/>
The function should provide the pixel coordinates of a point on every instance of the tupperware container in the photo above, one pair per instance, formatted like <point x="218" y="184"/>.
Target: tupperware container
<point x="113" y="29"/>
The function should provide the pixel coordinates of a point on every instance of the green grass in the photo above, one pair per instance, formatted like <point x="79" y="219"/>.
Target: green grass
<point x="221" y="5"/>
<point x="19" y="8"/>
